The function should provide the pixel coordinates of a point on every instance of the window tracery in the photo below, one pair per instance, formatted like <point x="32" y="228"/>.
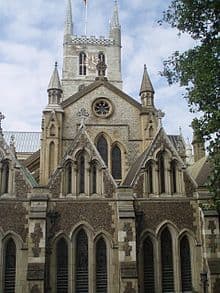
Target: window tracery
<point x="102" y="147"/>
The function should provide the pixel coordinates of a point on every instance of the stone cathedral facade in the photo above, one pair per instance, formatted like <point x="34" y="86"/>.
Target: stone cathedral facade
<point x="103" y="200"/>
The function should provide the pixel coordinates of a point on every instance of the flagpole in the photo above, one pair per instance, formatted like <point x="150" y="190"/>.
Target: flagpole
<point x="86" y="16"/>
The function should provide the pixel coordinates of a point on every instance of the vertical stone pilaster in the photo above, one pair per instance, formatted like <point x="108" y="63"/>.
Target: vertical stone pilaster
<point x="127" y="241"/>
<point x="37" y="241"/>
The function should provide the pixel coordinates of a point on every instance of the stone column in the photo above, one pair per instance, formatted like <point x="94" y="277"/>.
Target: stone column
<point x="37" y="241"/>
<point x="127" y="241"/>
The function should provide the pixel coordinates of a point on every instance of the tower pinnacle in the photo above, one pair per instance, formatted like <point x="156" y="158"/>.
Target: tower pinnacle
<point x="68" y="30"/>
<point x="115" y="17"/>
<point x="55" y="80"/>
<point x="147" y="90"/>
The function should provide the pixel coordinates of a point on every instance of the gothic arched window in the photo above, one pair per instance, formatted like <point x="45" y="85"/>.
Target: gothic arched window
<point x="101" y="267"/>
<point x="4" y="176"/>
<point x="116" y="162"/>
<point x="68" y="175"/>
<point x="186" y="277"/>
<point x="173" y="176"/>
<point x="167" y="261"/>
<point x="102" y="147"/>
<point x="62" y="266"/>
<point x="150" y="189"/>
<point x="51" y="158"/>
<point x="10" y="267"/>
<point x="82" y="283"/>
<point x="93" y="177"/>
<point x="161" y="172"/>
<point x="81" y="170"/>
<point x="148" y="254"/>
<point x="82" y="63"/>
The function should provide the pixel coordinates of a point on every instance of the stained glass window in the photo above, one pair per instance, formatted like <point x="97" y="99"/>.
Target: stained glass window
<point x="62" y="266"/>
<point x="82" y="262"/>
<point x="116" y="162"/>
<point x="148" y="254"/>
<point x="82" y="63"/>
<point x="186" y="277"/>
<point x="102" y="147"/>
<point x="101" y="266"/>
<point x="10" y="267"/>
<point x="167" y="261"/>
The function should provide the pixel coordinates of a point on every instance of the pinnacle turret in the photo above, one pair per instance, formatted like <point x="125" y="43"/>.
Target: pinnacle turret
<point x="147" y="90"/>
<point x="114" y="23"/>
<point x="68" y="30"/>
<point x="55" y="80"/>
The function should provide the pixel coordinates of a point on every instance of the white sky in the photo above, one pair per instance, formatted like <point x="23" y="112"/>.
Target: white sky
<point x="31" y="35"/>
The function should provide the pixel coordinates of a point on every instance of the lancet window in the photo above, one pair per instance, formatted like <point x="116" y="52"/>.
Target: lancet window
<point x="94" y="177"/>
<point x="161" y="172"/>
<point x="102" y="147"/>
<point x="10" y="267"/>
<point x="148" y="254"/>
<point x="116" y="162"/>
<point x="101" y="267"/>
<point x="186" y="275"/>
<point x="173" y="169"/>
<point x="81" y="173"/>
<point x="101" y="58"/>
<point x="82" y="63"/>
<point x="150" y="188"/>
<point x="68" y="176"/>
<point x="82" y="281"/>
<point x="62" y="266"/>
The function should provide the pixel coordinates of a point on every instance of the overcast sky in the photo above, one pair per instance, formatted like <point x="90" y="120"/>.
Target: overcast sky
<point x="31" y="35"/>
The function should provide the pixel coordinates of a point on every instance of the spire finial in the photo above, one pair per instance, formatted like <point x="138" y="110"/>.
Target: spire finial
<point x="69" y="19"/>
<point x="55" y="80"/>
<point x="115" y="18"/>
<point x="160" y="115"/>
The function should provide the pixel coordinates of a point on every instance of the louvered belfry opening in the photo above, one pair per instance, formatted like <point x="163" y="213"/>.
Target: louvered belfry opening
<point x="116" y="162"/>
<point x="82" y="284"/>
<point x="101" y="267"/>
<point x="62" y="266"/>
<point x="10" y="267"/>
<point x="186" y="276"/>
<point x="148" y="254"/>
<point x="167" y="261"/>
<point x="102" y="147"/>
<point x="82" y="63"/>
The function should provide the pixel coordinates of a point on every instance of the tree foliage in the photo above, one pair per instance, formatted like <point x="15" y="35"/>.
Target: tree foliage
<point x="198" y="70"/>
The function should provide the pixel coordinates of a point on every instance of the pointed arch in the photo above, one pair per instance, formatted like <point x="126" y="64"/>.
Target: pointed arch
<point x="148" y="266"/>
<point x="149" y="169"/>
<point x="82" y="63"/>
<point x="9" y="266"/>
<point x="102" y="147"/>
<point x="61" y="266"/>
<point x="167" y="261"/>
<point x="185" y="260"/>
<point x="51" y="157"/>
<point x="81" y="172"/>
<point x="81" y="262"/>
<point x="68" y="177"/>
<point x="94" y="177"/>
<point x="116" y="162"/>
<point x="101" y="265"/>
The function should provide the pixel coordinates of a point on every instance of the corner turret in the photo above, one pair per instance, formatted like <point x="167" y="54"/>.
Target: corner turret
<point x="147" y="90"/>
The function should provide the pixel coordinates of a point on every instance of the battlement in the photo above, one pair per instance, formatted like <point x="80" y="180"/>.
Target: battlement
<point x="92" y="40"/>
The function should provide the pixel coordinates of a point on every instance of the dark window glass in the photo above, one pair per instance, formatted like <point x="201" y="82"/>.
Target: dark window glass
<point x="94" y="177"/>
<point x="173" y="176"/>
<point x="116" y="162"/>
<point x="101" y="267"/>
<point x="81" y="174"/>
<point x="148" y="254"/>
<point x="102" y="147"/>
<point x="167" y="261"/>
<point x="62" y="266"/>
<point x="69" y="177"/>
<point x="10" y="267"/>
<point x="82" y="262"/>
<point x="150" y="178"/>
<point x="161" y="170"/>
<point x="185" y="257"/>
<point x="82" y="63"/>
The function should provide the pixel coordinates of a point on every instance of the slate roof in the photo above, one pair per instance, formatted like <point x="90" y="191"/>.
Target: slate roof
<point x="25" y="142"/>
<point x="200" y="171"/>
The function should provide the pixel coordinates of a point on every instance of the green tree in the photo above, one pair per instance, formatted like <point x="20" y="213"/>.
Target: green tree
<point x="198" y="71"/>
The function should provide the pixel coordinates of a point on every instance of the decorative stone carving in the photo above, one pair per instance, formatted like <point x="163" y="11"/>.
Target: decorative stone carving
<point x="36" y="236"/>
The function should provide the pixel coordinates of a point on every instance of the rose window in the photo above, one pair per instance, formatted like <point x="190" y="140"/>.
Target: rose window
<point x="102" y="108"/>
